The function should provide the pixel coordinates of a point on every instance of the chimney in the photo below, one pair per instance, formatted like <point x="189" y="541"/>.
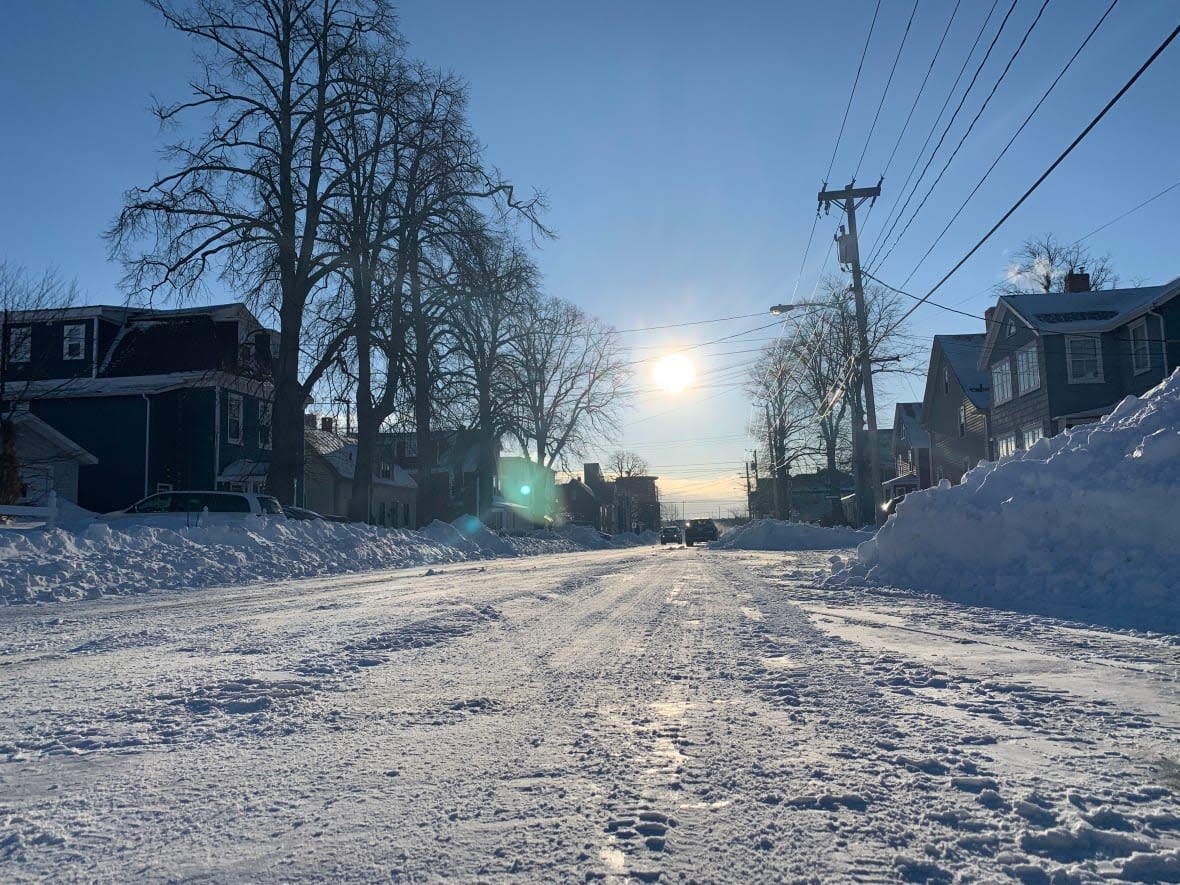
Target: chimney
<point x="262" y="347"/>
<point x="592" y="474"/>
<point x="987" y="318"/>
<point x="1077" y="281"/>
<point x="309" y="420"/>
<point x="326" y="424"/>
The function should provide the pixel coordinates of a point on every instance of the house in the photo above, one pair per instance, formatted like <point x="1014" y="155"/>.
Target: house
<point x="955" y="406"/>
<point x="48" y="461"/>
<point x="636" y="504"/>
<point x="805" y="497"/>
<point x="910" y="451"/>
<point x="525" y="494"/>
<point x="578" y="505"/>
<point x="1057" y="361"/>
<point x="162" y="399"/>
<point x="330" y="473"/>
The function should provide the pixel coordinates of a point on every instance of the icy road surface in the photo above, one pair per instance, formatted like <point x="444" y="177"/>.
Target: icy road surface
<point x="652" y="714"/>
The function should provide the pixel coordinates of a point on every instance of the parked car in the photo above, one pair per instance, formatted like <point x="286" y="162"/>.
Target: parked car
<point x="699" y="530"/>
<point x="670" y="534"/>
<point x="292" y="512"/>
<point x="191" y="508"/>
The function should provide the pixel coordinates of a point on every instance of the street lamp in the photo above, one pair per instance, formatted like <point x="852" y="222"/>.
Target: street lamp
<point x="780" y="309"/>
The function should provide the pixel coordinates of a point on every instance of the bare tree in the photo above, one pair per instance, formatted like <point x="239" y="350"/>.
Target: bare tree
<point x="247" y="198"/>
<point x="572" y="378"/>
<point x="22" y="292"/>
<point x="1040" y="264"/>
<point x="623" y="463"/>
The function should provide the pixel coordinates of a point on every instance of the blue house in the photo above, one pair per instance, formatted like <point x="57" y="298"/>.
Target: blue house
<point x="163" y="399"/>
<point x="1056" y="361"/>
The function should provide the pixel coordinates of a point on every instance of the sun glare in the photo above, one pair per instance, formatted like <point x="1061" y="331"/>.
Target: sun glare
<point x="674" y="372"/>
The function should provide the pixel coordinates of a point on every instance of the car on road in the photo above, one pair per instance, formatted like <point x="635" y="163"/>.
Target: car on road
<point x="193" y="508"/>
<point x="670" y="534"/>
<point x="292" y="512"/>
<point x="699" y="530"/>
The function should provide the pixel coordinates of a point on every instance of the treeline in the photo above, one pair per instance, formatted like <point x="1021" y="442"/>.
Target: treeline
<point x="337" y="184"/>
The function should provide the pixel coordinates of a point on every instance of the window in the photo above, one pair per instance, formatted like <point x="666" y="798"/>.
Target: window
<point x="385" y="470"/>
<point x="1083" y="360"/>
<point x="154" y="504"/>
<point x="163" y="487"/>
<point x="963" y="419"/>
<point x="233" y="416"/>
<point x="73" y="342"/>
<point x="1140" y="352"/>
<point x="946" y="380"/>
<point x="1009" y="328"/>
<point x="1001" y="382"/>
<point x="1028" y="369"/>
<point x="20" y="344"/>
<point x="264" y="410"/>
<point x="1006" y="445"/>
<point x="1032" y="435"/>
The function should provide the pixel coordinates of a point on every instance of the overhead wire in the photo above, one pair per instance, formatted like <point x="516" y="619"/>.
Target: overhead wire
<point x="885" y="91"/>
<point x="1011" y="140"/>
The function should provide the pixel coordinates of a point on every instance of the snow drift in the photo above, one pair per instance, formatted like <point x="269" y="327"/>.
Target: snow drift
<point x="92" y="559"/>
<point x="1080" y="526"/>
<point x="774" y="534"/>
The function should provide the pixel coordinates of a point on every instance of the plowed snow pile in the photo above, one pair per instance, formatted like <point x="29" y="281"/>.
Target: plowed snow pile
<point x="775" y="534"/>
<point x="1085" y="525"/>
<point x="92" y="559"/>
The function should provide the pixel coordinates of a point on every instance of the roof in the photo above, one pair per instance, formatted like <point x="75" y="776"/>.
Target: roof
<point x="340" y="454"/>
<point x="962" y="353"/>
<point x="135" y="385"/>
<point x="242" y="469"/>
<point x="908" y="418"/>
<point x="1098" y="311"/>
<point x="27" y="422"/>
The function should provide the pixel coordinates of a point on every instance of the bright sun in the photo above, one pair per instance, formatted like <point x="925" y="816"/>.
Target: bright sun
<point x="674" y="372"/>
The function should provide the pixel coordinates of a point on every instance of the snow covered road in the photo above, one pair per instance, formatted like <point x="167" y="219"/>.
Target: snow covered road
<point x="650" y="714"/>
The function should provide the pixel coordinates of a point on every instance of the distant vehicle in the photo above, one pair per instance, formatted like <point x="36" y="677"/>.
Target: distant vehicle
<point x="699" y="530"/>
<point x="670" y="534"/>
<point x="192" y="508"/>
<point x="292" y="512"/>
<point x="890" y="506"/>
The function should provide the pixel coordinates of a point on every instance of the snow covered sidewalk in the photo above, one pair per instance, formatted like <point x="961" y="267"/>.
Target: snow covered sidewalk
<point x="650" y="715"/>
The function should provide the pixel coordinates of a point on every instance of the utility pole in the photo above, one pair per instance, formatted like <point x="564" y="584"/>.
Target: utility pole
<point x="848" y="199"/>
<point x="773" y="463"/>
<point x="749" y="505"/>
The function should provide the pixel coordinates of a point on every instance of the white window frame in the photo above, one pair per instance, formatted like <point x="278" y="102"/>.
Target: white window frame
<point x="1006" y="445"/>
<point x="1027" y="381"/>
<point x="1070" y="340"/>
<point x="232" y="400"/>
<point x="1009" y="327"/>
<point x="264" y="425"/>
<point x="1140" y="327"/>
<point x="1037" y="432"/>
<point x="946" y="379"/>
<point x="1001" y="370"/>
<point x="74" y="333"/>
<point x="962" y="419"/>
<point x="20" y="344"/>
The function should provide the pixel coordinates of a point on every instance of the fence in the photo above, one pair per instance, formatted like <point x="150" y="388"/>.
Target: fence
<point x="48" y="512"/>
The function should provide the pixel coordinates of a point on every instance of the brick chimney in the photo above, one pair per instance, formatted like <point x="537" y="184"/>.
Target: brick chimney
<point x="987" y="318"/>
<point x="1077" y="281"/>
<point x="326" y="424"/>
<point x="309" y="420"/>
<point x="592" y="474"/>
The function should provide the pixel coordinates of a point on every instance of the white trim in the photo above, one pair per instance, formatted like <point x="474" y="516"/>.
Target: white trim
<point x="1006" y="365"/>
<point x="1140" y="323"/>
<point x="1029" y="349"/>
<point x="1032" y="428"/>
<point x="67" y="339"/>
<point x="231" y="398"/>
<point x="1097" y="342"/>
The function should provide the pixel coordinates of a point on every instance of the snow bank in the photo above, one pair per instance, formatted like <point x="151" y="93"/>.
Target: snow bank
<point x="92" y="559"/>
<point x="1080" y="526"/>
<point x="775" y="534"/>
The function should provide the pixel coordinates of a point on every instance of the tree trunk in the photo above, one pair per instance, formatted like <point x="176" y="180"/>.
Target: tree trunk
<point x="428" y="508"/>
<point x="9" y="463"/>
<point x="487" y="452"/>
<point x="285" y="477"/>
<point x="360" y="505"/>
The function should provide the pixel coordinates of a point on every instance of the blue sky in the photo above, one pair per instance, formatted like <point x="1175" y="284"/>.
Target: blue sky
<point x="681" y="146"/>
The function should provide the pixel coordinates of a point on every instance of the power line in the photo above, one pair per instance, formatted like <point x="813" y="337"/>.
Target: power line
<point x="945" y="132"/>
<point x="1125" y="214"/>
<point x="885" y="92"/>
<point x="743" y="316"/>
<point x="852" y="94"/>
<point x="1015" y="135"/>
<point x="1078" y="140"/>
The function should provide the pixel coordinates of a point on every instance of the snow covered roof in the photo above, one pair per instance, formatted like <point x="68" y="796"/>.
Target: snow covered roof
<point x="66" y="449"/>
<point x="242" y="469"/>
<point x="340" y="454"/>
<point x="135" y="385"/>
<point x="962" y="353"/>
<point x="1098" y="311"/>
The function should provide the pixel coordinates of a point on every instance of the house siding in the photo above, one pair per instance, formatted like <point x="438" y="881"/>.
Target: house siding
<point x="46" y="352"/>
<point x="112" y="429"/>
<point x="1024" y="410"/>
<point x="953" y="455"/>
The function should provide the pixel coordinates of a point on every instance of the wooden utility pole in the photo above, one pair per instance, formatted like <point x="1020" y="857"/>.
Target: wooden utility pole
<point x="773" y="463"/>
<point x="849" y="199"/>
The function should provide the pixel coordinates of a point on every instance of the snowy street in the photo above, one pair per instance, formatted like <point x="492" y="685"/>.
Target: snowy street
<point x="649" y="714"/>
